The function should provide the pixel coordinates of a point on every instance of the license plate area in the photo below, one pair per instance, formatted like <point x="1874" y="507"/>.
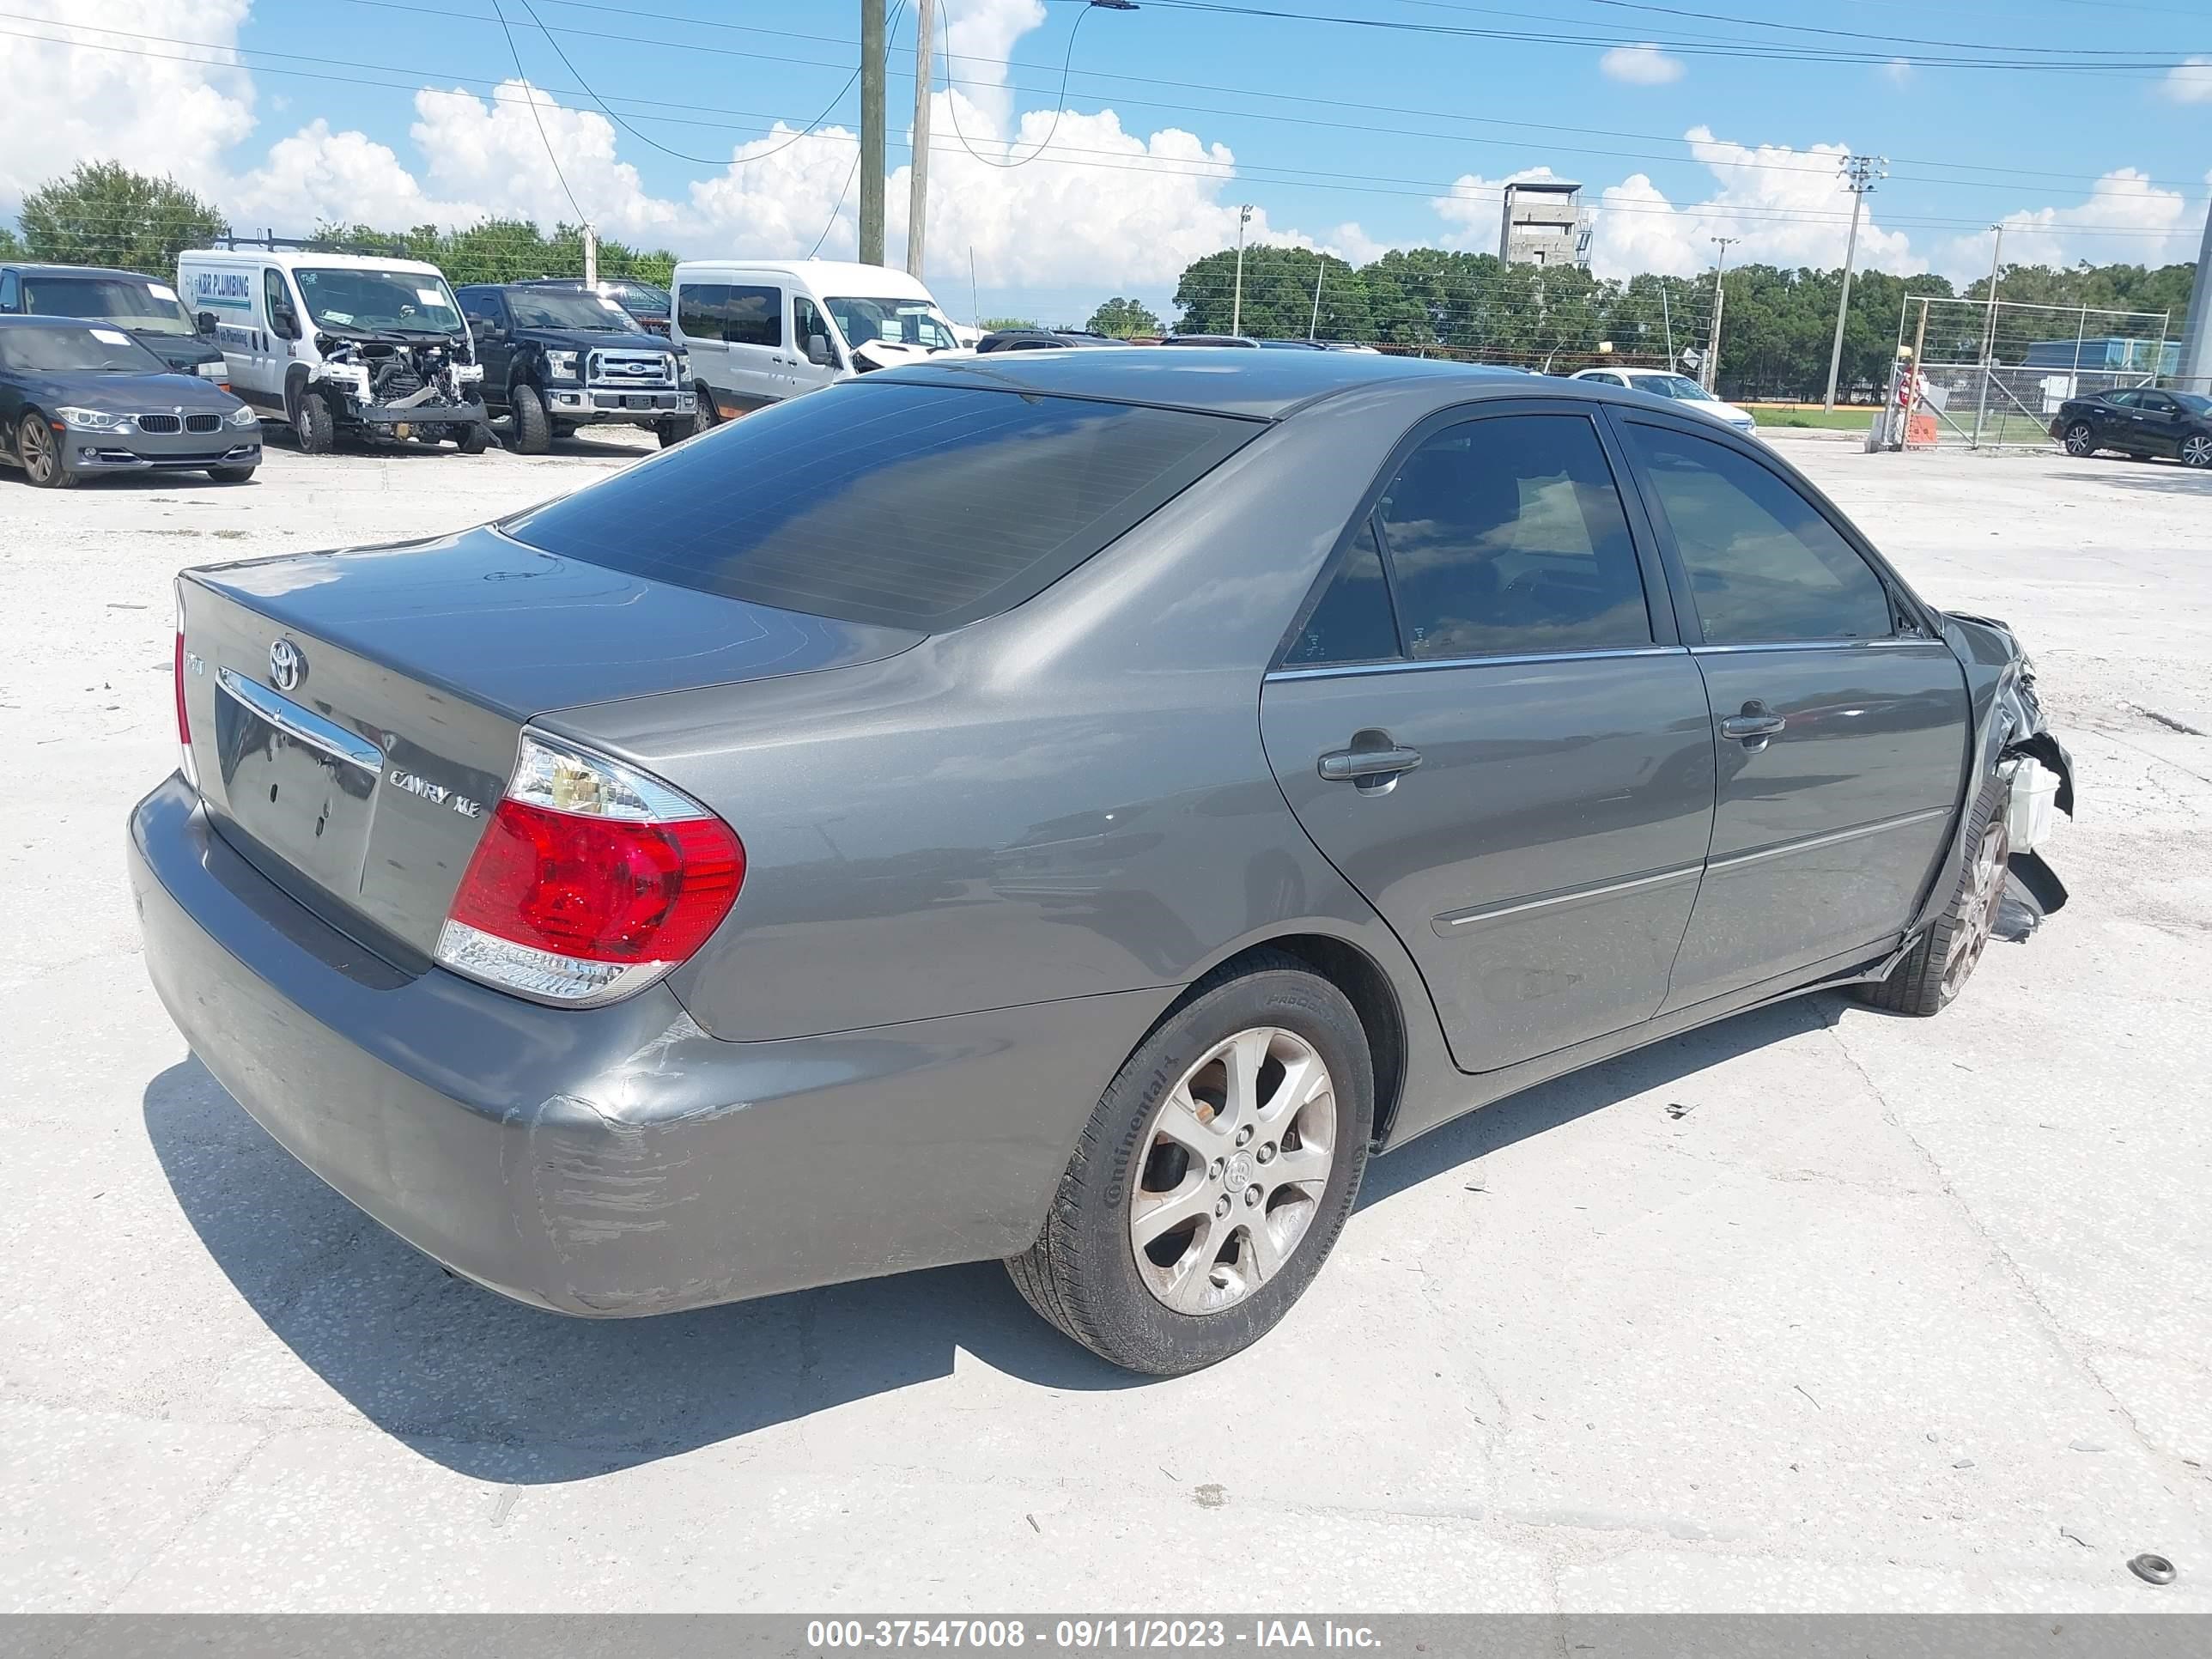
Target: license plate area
<point x="302" y="786"/>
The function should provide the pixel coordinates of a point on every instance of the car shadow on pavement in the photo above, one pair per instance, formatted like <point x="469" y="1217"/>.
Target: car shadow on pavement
<point x="504" y="1393"/>
<point x="2160" y="478"/>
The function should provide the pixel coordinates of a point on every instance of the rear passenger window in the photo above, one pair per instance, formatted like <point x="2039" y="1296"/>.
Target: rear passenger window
<point x="755" y="316"/>
<point x="1763" y="562"/>
<point x="700" y="309"/>
<point x="1353" y="621"/>
<point x="881" y="501"/>
<point x="1508" y="535"/>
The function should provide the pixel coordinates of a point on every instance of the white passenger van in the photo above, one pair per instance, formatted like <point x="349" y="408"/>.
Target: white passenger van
<point x="339" y="345"/>
<point x="760" y="331"/>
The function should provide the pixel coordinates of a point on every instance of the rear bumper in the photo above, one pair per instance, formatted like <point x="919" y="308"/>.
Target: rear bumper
<point x="616" y="1161"/>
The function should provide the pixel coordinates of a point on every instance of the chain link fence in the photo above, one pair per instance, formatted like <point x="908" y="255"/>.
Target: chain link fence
<point x="1973" y="376"/>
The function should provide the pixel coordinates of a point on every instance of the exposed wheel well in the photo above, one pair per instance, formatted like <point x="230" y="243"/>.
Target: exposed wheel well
<point x="1364" y="985"/>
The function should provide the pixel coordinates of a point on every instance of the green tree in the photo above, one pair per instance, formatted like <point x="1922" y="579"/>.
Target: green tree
<point x="103" y="213"/>
<point x="1123" y="318"/>
<point x="1277" y="295"/>
<point x="993" y="324"/>
<point x="501" y="250"/>
<point x="10" y="247"/>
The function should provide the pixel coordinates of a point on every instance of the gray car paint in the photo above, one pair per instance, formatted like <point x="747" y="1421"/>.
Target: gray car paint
<point x="979" y="867"/>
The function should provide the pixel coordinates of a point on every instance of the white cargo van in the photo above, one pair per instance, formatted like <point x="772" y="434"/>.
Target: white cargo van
<point x="339" y="343"/>
<point x="760" y="331"/>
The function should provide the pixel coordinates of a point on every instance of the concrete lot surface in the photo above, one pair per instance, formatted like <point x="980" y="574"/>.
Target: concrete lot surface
<point x="1812" y="1310"/>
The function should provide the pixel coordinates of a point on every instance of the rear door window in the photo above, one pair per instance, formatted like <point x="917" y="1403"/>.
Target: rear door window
<point x="1353" y="621"/>
<point x="1764" y="563"/>
<point x="910" y="505"/>
<point x="1508" y="535"/>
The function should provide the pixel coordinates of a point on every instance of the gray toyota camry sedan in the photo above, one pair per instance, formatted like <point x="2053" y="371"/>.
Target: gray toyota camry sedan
<point x="1070" y="807"/>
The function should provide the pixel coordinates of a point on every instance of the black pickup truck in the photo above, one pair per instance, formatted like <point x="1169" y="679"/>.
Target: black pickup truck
<point x="555" y="360"/>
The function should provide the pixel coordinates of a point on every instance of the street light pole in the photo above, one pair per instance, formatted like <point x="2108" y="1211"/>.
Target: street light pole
<point x="1236" y="305"/>
<point x="1320" y="271"/>
<point x="1859" y="174"/>
<point x="1710" y="369"/>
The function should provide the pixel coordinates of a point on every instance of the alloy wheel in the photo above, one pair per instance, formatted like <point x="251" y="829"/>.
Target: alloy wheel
<point x="1230" y="1169"/>
<point x="2196" y="451"/>
<point x="2077" y="440"/>
<point x="1971" y="936"/>
<point x="37" y="450"/>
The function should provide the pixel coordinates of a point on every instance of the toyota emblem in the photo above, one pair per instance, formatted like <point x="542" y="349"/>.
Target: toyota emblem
<point x="286" y="665"/>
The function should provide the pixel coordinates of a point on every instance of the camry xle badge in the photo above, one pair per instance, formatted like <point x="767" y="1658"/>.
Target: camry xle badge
<point x="415" y="784"/>
<point x="286" y="668"/>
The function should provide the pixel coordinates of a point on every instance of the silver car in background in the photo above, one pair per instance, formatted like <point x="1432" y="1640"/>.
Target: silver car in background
<point x="1071" y="807"/>
<point x="1665" y="383"/>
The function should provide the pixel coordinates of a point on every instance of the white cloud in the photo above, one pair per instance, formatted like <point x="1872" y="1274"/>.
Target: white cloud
<point x="1474" y="206"/>
<point x="2188" y="81"/>
<point x="2161" y="228"/>
<point x="1644" y="65"/>
<point x="1783" y="205"/>
<point x="1898" y="71"/>
<point x="70" y="103"/>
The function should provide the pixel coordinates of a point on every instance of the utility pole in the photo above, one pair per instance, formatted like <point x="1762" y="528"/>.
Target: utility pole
<point x="1667" y="322"/>
<point x="1708" y="370"/>
<point x="1989" y="328"/>
<point x="871" y="132"/>
<point x="1236" y="305"/>
<point x="1320" y="271"/>
<point x="2197" y="330"/>
<point x="917" y="211"/>
<point x="1859" y="174"/>
<point x="590" y="256"/>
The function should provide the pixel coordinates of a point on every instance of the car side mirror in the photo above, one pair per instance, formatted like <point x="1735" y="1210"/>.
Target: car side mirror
<point x="818" y="352"/>
<point x="205" y="323"/>
<point x="286" y="322"/>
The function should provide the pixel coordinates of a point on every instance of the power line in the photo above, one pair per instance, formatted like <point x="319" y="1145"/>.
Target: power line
<point x="536" y="118"/>
<point x="953" y="97"/>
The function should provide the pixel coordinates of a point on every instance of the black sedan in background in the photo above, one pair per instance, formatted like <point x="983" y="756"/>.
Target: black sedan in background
<point x="145" y="308"/>
<point x="78" y="398"/>
<point x="2141" y="422"/>
<point x="1043" y="339"/>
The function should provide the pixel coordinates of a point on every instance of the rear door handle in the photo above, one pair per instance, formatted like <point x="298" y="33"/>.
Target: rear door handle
<point x="1372" y="762"/>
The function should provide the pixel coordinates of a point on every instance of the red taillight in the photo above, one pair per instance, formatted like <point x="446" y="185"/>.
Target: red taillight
<point x="600" y="890"/>
<point x="592" y="880"/>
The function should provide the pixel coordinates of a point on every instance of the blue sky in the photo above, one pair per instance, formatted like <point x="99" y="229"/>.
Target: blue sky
<point x="1349" y="137"/>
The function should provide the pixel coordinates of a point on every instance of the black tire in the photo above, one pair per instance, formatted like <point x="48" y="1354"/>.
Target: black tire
<point x="1935" y="970"/>
<point x="40" y="456"/>
<point x="533" y="430"/>
<point x="708" y="416"/>
<point x="474" y="440"/>
<point x="229" y="475"/>
<point x="675" y="430"/>
<point x="1083" y="1272"/>
<point x="2196" y="451"/>
<point x="315" y="423"/>
<point x="2080" y="439"/>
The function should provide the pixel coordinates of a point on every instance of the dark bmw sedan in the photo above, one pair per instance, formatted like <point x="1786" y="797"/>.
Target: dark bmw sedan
<point x="1073" y="807"/>
<point x="78" y="399"/>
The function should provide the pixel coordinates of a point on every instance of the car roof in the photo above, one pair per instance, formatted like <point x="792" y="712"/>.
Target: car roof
<point x="831" y="276"/>
<point x="291" y="259"/>
<point x="1219" y="380"/>
<point x="42" y="320"/>
<point x="27" y="268"/>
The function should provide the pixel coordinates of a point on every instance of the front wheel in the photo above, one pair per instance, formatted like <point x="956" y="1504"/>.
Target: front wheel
<point x="709" y="414"/>
<point x="227" y="475"/>
<point x="533" y="429"/>
<point x="40" y="452"/>
<point x="473" y="440"/>
<point x="2196" y="451"/>
<point x="1935" y="970"/>
<point x="1214" y="1177"/>
<point x="317" y="427"/>
<point x="2079" y="440"/>
<point x="675" y="430"/>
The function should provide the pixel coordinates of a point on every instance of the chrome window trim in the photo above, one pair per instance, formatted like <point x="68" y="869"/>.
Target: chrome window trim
<point x="310" y="728"/>
<point x="1834" y="837"/>
<point x="1408" y="665"/>
<point x="1451" y="919"/>
<point x="1888" y="642"/>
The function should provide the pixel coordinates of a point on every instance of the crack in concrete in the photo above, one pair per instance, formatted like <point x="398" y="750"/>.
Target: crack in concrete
<point x="199" y="1511"/>
<point x="2072" y="1345"/>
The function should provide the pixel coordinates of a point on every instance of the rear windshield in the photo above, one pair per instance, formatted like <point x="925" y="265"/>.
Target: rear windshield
<point x="910" y="505"/>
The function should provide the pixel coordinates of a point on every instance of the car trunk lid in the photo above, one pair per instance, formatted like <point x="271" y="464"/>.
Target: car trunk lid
<point x="355" y="713"/>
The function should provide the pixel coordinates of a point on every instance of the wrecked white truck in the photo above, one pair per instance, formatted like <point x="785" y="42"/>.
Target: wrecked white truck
<point x="340" y="345"/>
